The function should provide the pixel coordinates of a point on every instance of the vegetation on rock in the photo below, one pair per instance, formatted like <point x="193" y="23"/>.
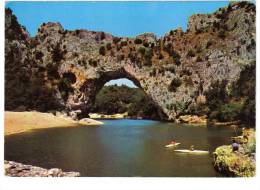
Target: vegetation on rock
<point x="120" y="99"/>
<point x="231" y="164"/>
<point x="238" y="103"/>
<point x="175" y="83"/>
<point x="102" y="50"/>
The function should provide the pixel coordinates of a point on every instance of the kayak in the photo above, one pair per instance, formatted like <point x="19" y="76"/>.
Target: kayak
<point x="192" y="151"/>
<point x="171" y="145"/>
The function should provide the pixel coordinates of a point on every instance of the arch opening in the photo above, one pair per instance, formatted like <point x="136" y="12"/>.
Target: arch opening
<point x="121" y="82"/>
<point x="122" y="98"/>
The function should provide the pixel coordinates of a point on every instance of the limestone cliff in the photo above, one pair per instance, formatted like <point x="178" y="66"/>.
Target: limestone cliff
<point x="61" y="69"/>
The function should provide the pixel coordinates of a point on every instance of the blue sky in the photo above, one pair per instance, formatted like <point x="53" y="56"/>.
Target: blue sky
<point x="118" y="18"/>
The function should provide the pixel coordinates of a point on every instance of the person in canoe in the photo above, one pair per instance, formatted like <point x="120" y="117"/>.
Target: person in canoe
<point x="173" y="142"/>
<point x="191" y="148"/>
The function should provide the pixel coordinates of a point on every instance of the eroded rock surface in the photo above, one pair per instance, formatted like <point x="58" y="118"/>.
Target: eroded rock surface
<point x="15" y="169"/>
<point x="64" y="70"/>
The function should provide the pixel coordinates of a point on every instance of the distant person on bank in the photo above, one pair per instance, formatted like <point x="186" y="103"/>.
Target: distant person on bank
<point x="235" y="146"/>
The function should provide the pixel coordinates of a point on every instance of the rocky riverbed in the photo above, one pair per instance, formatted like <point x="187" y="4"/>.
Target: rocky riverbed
<point x="192" y="119"/>
<point x="15" y="169"/>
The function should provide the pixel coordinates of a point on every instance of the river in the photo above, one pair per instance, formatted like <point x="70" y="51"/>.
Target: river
<point x="120" y="148"/>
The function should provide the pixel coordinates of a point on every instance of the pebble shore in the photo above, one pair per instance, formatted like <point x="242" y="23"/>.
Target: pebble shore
<point x="15" y="169"/>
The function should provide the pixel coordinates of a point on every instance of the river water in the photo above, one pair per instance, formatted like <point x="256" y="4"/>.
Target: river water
<point x="120" y="148"/>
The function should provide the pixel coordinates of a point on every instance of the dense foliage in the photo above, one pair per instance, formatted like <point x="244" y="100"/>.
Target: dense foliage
<point x="237" y="103"/>
<point x="119" y="99"/>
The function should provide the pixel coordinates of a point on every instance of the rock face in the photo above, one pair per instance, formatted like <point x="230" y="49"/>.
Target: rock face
<point x="15" y="169"/>
<point x="60" y="69"/>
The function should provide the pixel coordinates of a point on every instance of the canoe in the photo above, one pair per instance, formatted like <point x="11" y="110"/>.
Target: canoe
<point x="171" y="145"/>
<point x="192" y="151"/>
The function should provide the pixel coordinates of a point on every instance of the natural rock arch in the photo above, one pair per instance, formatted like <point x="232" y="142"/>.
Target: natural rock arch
<point x="91" y="87"/>
<point x="173" y="70"/>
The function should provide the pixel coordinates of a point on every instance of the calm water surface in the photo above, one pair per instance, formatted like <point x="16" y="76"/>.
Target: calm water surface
<point x="120" y="148"/>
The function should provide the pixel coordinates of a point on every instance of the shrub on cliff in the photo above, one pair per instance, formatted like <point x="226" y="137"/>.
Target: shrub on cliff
<point x="209" y="43"/>
<point x="248" y="111"/>
<point x="160" y="56"/>
<point x="116" y="40"/>
<point x="222" y="34"/>
<point x="102" y="50"/>
<point x="227" y="112"/>
<point x="141" y="50"/>
<point x="199" y="59"/>
<point x="38" y="55"/>
<point x="52" y="71"/>
<point x="132" y="57"/>
<point x="34" y="42"/>
<point x="57" y="53"/>
<point x="175" y="83"/>
<point x="123" y="43"/>
<point x="138" y="41"/>
<point x="77" y="32"/>
<point x="217" y="94"/>
<point x="182" y="105"/>
<point x="65" y="88"/>
<point x="198" y="109"/>
<point x="216" y="25"/>
<point x="92" y="62"/>
<point x="146" y="44"/>
<point x="168" y="48"/>
<point x="70" y="77"/>
<point x="190" y="53"/>
<point x="148" y="56"/>
<point x="120" y="57"/>
<point x="102" y="35"/>
<point x="176" y="58"/>
<point x="108" y="46"/>
<point x="153" y="72"/>
<point x="244" y="88"/>
<point x="185" y="71"/>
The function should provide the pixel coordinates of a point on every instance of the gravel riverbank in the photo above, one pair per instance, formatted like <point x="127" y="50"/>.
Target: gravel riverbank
<point x="15" y="169"/>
